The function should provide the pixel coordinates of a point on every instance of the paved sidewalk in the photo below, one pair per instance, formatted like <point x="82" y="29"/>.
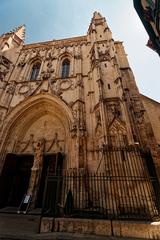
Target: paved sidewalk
<point x="60" y="236"/>
<point x="25" y="227"/>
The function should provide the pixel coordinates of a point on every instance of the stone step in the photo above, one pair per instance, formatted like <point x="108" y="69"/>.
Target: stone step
<point x="18" y="224"/>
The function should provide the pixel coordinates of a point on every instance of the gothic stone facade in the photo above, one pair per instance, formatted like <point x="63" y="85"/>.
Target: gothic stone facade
<point x="72" y="96"/>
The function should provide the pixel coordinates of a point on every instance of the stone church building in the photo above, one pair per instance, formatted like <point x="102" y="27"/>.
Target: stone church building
<point x="71" y="108"/>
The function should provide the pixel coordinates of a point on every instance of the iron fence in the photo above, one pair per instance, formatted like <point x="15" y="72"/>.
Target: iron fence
<point x="126" y="189"/>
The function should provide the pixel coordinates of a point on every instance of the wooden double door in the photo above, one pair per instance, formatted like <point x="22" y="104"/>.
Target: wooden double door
<point x="15" y="177"/>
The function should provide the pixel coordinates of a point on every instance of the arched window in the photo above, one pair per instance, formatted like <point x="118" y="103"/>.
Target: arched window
<point x="35" y="71"/>
<point x="65" y="68"/>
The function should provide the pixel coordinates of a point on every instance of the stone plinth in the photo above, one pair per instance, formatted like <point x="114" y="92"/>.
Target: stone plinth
<point x="47" y="225"/>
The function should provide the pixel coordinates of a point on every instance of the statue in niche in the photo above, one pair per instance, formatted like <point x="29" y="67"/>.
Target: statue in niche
<point x="74" y="130"/>
<point x="98" y="128"/>
<point x="115" y="109"/>
<point x="3" y="84"/>
<point x="46" y="74"/>
<point x="38" y="148"/>
<point x="98" y="118"/>
<point x="3" y="73"/>
<point x="75" y="113"/>
<point x="50" y="55"/>
<point x="22" y="61"/>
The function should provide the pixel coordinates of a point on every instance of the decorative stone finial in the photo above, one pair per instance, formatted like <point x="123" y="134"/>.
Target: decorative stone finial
<point x="20" y="32"/>
<point x="97" y="15"/>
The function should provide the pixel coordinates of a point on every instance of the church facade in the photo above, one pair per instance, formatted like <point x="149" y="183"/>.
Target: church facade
<point x="73" y="106"/>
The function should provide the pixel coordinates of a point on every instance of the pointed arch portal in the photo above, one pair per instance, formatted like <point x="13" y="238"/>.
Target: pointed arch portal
<point x="39" y="117"/>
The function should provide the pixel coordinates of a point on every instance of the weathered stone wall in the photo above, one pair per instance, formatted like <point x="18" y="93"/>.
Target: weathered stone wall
<point x="94" y="107"/>
<point x="97" y="104"/>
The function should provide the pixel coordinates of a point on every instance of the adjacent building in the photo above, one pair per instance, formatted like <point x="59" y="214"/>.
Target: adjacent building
<point x="149" y="13"/>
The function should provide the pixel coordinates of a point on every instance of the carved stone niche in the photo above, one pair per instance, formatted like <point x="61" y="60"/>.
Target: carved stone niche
<point x="4" y="67"/>
<point x="139" y="116"/>
<point x="98" y="128"/>
<point x="48" y="72"/>
<point x="22" y="61"/>
<point x="114" y="110"/>
<point x="4" y="61"/>
<point x="104" y="56"/>
<point x="93" y="57"/>
<point x="50" y="53"/>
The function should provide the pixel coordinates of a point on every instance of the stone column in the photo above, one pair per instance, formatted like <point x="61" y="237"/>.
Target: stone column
<point x="36" y="170"/>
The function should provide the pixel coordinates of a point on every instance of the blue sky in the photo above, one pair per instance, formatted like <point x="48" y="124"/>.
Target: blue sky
<point x="56" y="19"/>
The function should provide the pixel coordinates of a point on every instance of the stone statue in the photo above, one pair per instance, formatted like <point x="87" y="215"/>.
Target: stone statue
<point x="38" y="147"/>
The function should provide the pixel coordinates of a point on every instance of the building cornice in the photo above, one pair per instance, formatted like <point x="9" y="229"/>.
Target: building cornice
<point x="58" y="43"/>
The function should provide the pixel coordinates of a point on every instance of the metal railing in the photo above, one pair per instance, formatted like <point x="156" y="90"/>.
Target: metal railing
<point x="125" y="190"/>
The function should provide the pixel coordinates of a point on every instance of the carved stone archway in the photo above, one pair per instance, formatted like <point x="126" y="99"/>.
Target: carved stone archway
<point x="22" y="121"/>
<point x="40" y="125"/>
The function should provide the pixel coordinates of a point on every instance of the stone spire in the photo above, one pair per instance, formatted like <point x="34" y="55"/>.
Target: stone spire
<point x="20" y="32"/>
<point x="16" y="37"/>
<point x="98" y="28"/>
